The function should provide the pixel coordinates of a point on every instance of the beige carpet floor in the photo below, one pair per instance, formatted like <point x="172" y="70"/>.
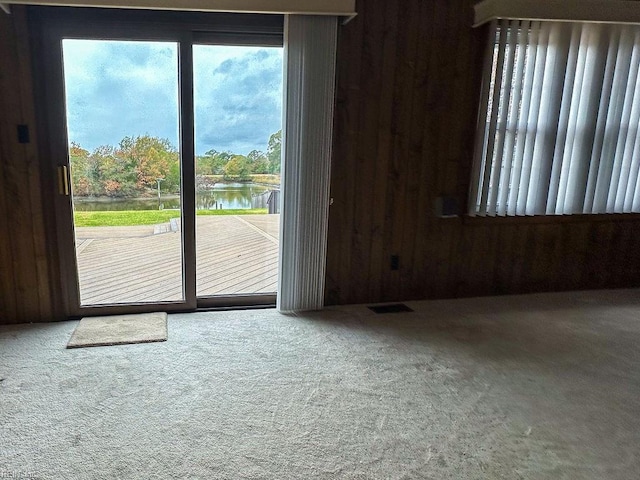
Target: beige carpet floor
<point x="528" y="387"/>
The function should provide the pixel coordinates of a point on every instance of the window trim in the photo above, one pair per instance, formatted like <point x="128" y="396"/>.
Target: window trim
<point x="343" y="8"/>
<point x="112" y="24"/>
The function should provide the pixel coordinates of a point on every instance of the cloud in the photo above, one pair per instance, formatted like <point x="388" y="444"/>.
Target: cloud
<point x="123" y="88"/>
<point x="238" y="99"/>
<point x="118" y="89"/>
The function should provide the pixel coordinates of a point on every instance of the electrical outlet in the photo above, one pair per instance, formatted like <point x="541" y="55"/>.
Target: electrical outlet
<point x="395" y="262"/>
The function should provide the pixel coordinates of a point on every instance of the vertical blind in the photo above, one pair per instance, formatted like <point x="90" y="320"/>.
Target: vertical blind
<point x="310" y="58"/>
<point x="558" y="127"/>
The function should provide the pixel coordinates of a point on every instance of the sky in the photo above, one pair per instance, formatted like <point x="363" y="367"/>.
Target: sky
<point x="124" y="88"/>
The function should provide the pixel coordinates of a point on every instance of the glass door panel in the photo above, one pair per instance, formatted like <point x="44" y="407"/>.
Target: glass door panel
<point x="238" y="125"/>
<point x="123" y="130"/>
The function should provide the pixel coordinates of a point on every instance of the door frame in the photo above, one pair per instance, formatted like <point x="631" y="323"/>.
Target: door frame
<point x="51" y="25"/>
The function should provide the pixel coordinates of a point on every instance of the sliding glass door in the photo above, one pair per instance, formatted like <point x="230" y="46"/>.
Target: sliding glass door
<point x="238" y="131"/>
<point x="167" y="148"/>
<point x="122" y="122"/>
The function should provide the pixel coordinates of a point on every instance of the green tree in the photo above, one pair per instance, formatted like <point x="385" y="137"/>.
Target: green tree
<point x="259" y="162"/>
<point x="203" y="165"/>
<point x="114" y="177"/>
<point x="80" y="170"/>
<point x="238" y="168"/>
<point x="130" y="169"/>
<point x="149" y="157"/>
<point x="212" y="162"/>
<point x="274" y="152"/>
<point x="172" y="178"/>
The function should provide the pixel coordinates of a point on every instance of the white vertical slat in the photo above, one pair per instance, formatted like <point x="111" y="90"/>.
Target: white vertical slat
<point x="572" y="100"/>
<point x="634" y="169"/>
<point x="540" y="125"/>
<point x="482" y="133"/>
<point x="635" y="204"/>
<point x="585" y="103"/>
<point x="631" y="141"/>
<point x="630" y="117"/>
<point x="529" y="68"/>
<point x="633" y="181"/>
<point x="602" y="120"/>
<point x="632" y="129"/>
<point x="548" y="119"/>
<point x="310" y="57"/>
<point x="557" y="190"/>
<point x="626" y="93"/>
<point x="614" y="117"/>
<point x="532" y="122"/>
<point x="595" y="62"/>
<point x="509" y="32"/>
<point x="511" y="128"/>
<point x="494" y="111"/>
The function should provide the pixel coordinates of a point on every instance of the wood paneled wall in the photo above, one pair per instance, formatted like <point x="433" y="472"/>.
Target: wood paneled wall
<point x="406" y="106"/>
<point x="408" y="90"/>
<point x="25" y="294"/>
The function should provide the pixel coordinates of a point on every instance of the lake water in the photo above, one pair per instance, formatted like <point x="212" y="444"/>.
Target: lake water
<point x="222" y="195"/>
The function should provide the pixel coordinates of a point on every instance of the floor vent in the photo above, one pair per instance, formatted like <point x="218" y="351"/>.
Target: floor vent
<point x="394" y="308"/>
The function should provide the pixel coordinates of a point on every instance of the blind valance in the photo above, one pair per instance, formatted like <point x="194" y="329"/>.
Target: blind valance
<point x="599" y="11"/>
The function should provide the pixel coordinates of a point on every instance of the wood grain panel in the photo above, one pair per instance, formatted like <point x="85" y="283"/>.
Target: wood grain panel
<point x="376" y="203"/>
<point x="345" y="122"/>
<point x="41" y="253"/>
<point x="410" y="75"/>
<point x="367" y="118"/>
<point x="7" y="293"/>
<point x="25" y="276"/>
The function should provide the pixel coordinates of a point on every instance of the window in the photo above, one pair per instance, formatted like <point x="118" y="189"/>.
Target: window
<point x="559" y="122"/>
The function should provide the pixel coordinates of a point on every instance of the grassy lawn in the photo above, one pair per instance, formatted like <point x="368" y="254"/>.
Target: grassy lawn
<point x="146" y="217"/>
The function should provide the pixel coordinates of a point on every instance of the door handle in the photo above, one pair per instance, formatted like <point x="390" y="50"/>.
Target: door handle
<point x="63" y="180"/>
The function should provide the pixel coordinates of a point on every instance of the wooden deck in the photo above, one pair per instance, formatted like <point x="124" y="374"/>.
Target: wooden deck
<point x="235" y="255"/>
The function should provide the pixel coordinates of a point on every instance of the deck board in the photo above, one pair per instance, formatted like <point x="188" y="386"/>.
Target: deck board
<point x="235" y="255"/>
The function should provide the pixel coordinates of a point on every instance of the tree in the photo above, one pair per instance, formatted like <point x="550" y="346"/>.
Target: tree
<point x="149" y="157"/>
<point x="203" y="165"/>
<point x="212" y="162"/>
<point x="113" y="177"/>
<point x="80" y="170"/>
<point x="135" y="165"/>
<point x="259" y="161"/>
<point x="274" y="152"/>
<point x="238" y="168"/>
<point x="172" y="178"/>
